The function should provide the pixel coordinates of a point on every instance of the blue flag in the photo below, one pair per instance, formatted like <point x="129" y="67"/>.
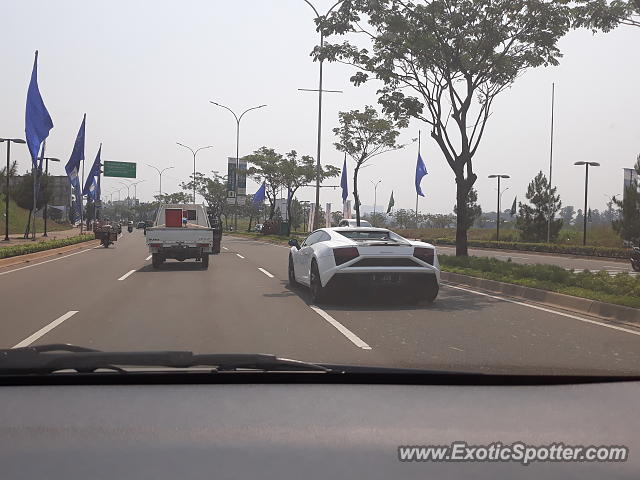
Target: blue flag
<point x="258" y="197"/>
<point x="91" y="184"/>
<point x="73" y="165"/>
<point x="37" y="121"/>
<point x="421" y="171"/>
<point x="343" y="182"/>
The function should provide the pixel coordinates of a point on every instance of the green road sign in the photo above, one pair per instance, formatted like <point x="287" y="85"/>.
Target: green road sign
<point x="119" y="169"/>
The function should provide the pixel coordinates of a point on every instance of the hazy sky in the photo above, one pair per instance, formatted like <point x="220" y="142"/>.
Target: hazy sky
<point x="144" y="72"/>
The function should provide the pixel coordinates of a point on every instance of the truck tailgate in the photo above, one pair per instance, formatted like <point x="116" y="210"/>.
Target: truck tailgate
<point x="169" y="236"/>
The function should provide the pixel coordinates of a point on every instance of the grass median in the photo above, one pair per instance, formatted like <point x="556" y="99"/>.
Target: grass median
<point x="621" y="289"/>
<point x="15" y="250"/>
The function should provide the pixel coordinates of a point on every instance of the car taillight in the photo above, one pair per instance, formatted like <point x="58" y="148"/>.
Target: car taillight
<point x="342" y="255"/>
<point x="424" y="254"/>
<point x="202" y="244"/>
<point x="155" y="245"/>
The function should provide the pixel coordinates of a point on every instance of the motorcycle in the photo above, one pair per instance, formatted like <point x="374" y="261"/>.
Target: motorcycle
<point x="106" y="233"/>
<point x="635" y="259"/>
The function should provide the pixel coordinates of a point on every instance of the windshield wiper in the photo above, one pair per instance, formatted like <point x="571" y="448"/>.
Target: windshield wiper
<point x="43" y="359"/>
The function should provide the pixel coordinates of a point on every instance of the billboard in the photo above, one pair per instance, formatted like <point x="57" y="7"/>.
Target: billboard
<point x="241" y="178"/>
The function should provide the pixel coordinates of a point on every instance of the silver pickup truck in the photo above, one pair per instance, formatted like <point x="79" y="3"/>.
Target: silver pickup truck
<point x="180" y="231"/>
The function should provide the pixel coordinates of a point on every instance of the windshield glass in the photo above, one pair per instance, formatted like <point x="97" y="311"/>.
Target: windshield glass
<point x="167" y="165"/>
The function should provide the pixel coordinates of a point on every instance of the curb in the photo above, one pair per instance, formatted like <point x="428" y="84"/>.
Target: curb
<point x="29" y="257"/>
<point x="544" y="254"/>
<point x="609" y="311"/>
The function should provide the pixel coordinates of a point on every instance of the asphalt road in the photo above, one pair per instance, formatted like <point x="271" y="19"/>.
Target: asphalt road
<point x="112" y="299"/>
<point x="611" y="265"/>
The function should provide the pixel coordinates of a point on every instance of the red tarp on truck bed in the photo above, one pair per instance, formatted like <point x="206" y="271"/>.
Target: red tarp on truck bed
<point x="173" y="217"/>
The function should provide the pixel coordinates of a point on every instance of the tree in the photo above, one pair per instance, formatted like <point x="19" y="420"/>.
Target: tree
<point x="472" y="209"/>
<point x="214" y="191"/>
<point x="13" y="171"/>
<point x="266" y="168"/>
<point x="177" y="197"/>
<point x="296" y="172"/>
<point x="336" y="217"/>
<point x="604" y="15"/>
<point x="628" y="223"/>
<point x="23" y="192"/>
<point x="566" y="214"/>
<point x="532" y="220"/>
<point x="377" y="219"/>
<point x="364" y="135"/>
<point x="456" y="56"/>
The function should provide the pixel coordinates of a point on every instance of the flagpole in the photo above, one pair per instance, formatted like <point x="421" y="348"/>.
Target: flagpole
<point x="81" y="183"/>
<point x="419" y="141"/>
<point x="36" y="188"/>
<point x="550" y="206"/>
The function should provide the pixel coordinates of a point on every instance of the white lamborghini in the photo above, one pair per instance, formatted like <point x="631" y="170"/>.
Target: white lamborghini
<point x="345" y="257"/>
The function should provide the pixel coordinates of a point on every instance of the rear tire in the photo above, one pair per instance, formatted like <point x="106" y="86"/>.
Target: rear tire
<point x="319" y="293"/>
<point x="156" y="260"/>
<point x="205" y="261"/>
<point x="293" y="283"/>
<point x="635" y="266"/>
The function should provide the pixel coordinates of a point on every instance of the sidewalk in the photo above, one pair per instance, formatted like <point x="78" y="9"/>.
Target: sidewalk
<point x="17" y="238"/>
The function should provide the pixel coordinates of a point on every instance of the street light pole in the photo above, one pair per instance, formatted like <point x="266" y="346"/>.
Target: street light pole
<point x="235" y="179"/>
<point x="160" y="172"/>
<point x="194" y="152"/>
<point x="586" y="188"/>
<point x="375" y="193"/>
<point x="45" y="213"/>
<point x="6" y="193"/>
<point x="128" y="194"/>
<point x="318" y="166"/>
<point x="498" y="212"/>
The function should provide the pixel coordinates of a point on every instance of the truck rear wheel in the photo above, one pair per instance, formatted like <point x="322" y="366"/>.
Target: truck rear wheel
<point x="205" y="261"/>
<point x="156" y="260"/>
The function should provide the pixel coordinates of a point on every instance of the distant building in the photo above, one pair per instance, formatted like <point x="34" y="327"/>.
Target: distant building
<point x="60" y="192"/>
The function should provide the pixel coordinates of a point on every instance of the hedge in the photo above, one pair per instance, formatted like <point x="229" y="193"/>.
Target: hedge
<point x="608" y="252"/>
<point x="15" y="250"/>
<point x="621" y="289"/>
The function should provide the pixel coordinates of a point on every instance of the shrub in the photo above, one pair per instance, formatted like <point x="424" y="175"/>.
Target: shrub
<point x="15" y="250"/>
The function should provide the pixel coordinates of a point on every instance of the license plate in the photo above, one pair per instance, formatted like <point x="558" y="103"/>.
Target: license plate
<point x="385" y="277"/>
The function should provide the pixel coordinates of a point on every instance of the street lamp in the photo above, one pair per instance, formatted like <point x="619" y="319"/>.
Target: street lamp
<point x="586" y="187"/>
<point x="160" y="172"/>
<point x="194" y="152"/>
<point x="375" y="194"/>
<point x="318" y="168"/>
<point x="46" y="205"/>
<point x="235" y="179"/>
<point x="498" y="212"/>
<point x="135" y="190"/>
<point x="6" y="193"/>
<point x="128" y="195"/>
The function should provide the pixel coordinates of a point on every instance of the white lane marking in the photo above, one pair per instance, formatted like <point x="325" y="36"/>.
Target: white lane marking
<point x="32" y="338"/>
<point x="265" y="272"/>
<point x="512" y="256"/>
<point x="357" y="341"/>
<point x="47" y="261"/>
<point x="238" y="255"/>
<point x="126" y="275"/>
<point x="548" y="310"/>
<point x="149" y="257"/>
<point x="225" y="248"/>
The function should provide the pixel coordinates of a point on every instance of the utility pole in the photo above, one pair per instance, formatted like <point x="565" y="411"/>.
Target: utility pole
<point x="235" y="179"/>
<point x="375" y="194"/>
<point x="550" y="214"/>
<point x="45" y="213"/>
<point x="498" y="209"/>
<point x="6" y="193"/>
<point x="194" y="152"/>
<point x="585" y="213"/>
<point x="320" y="91"/>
